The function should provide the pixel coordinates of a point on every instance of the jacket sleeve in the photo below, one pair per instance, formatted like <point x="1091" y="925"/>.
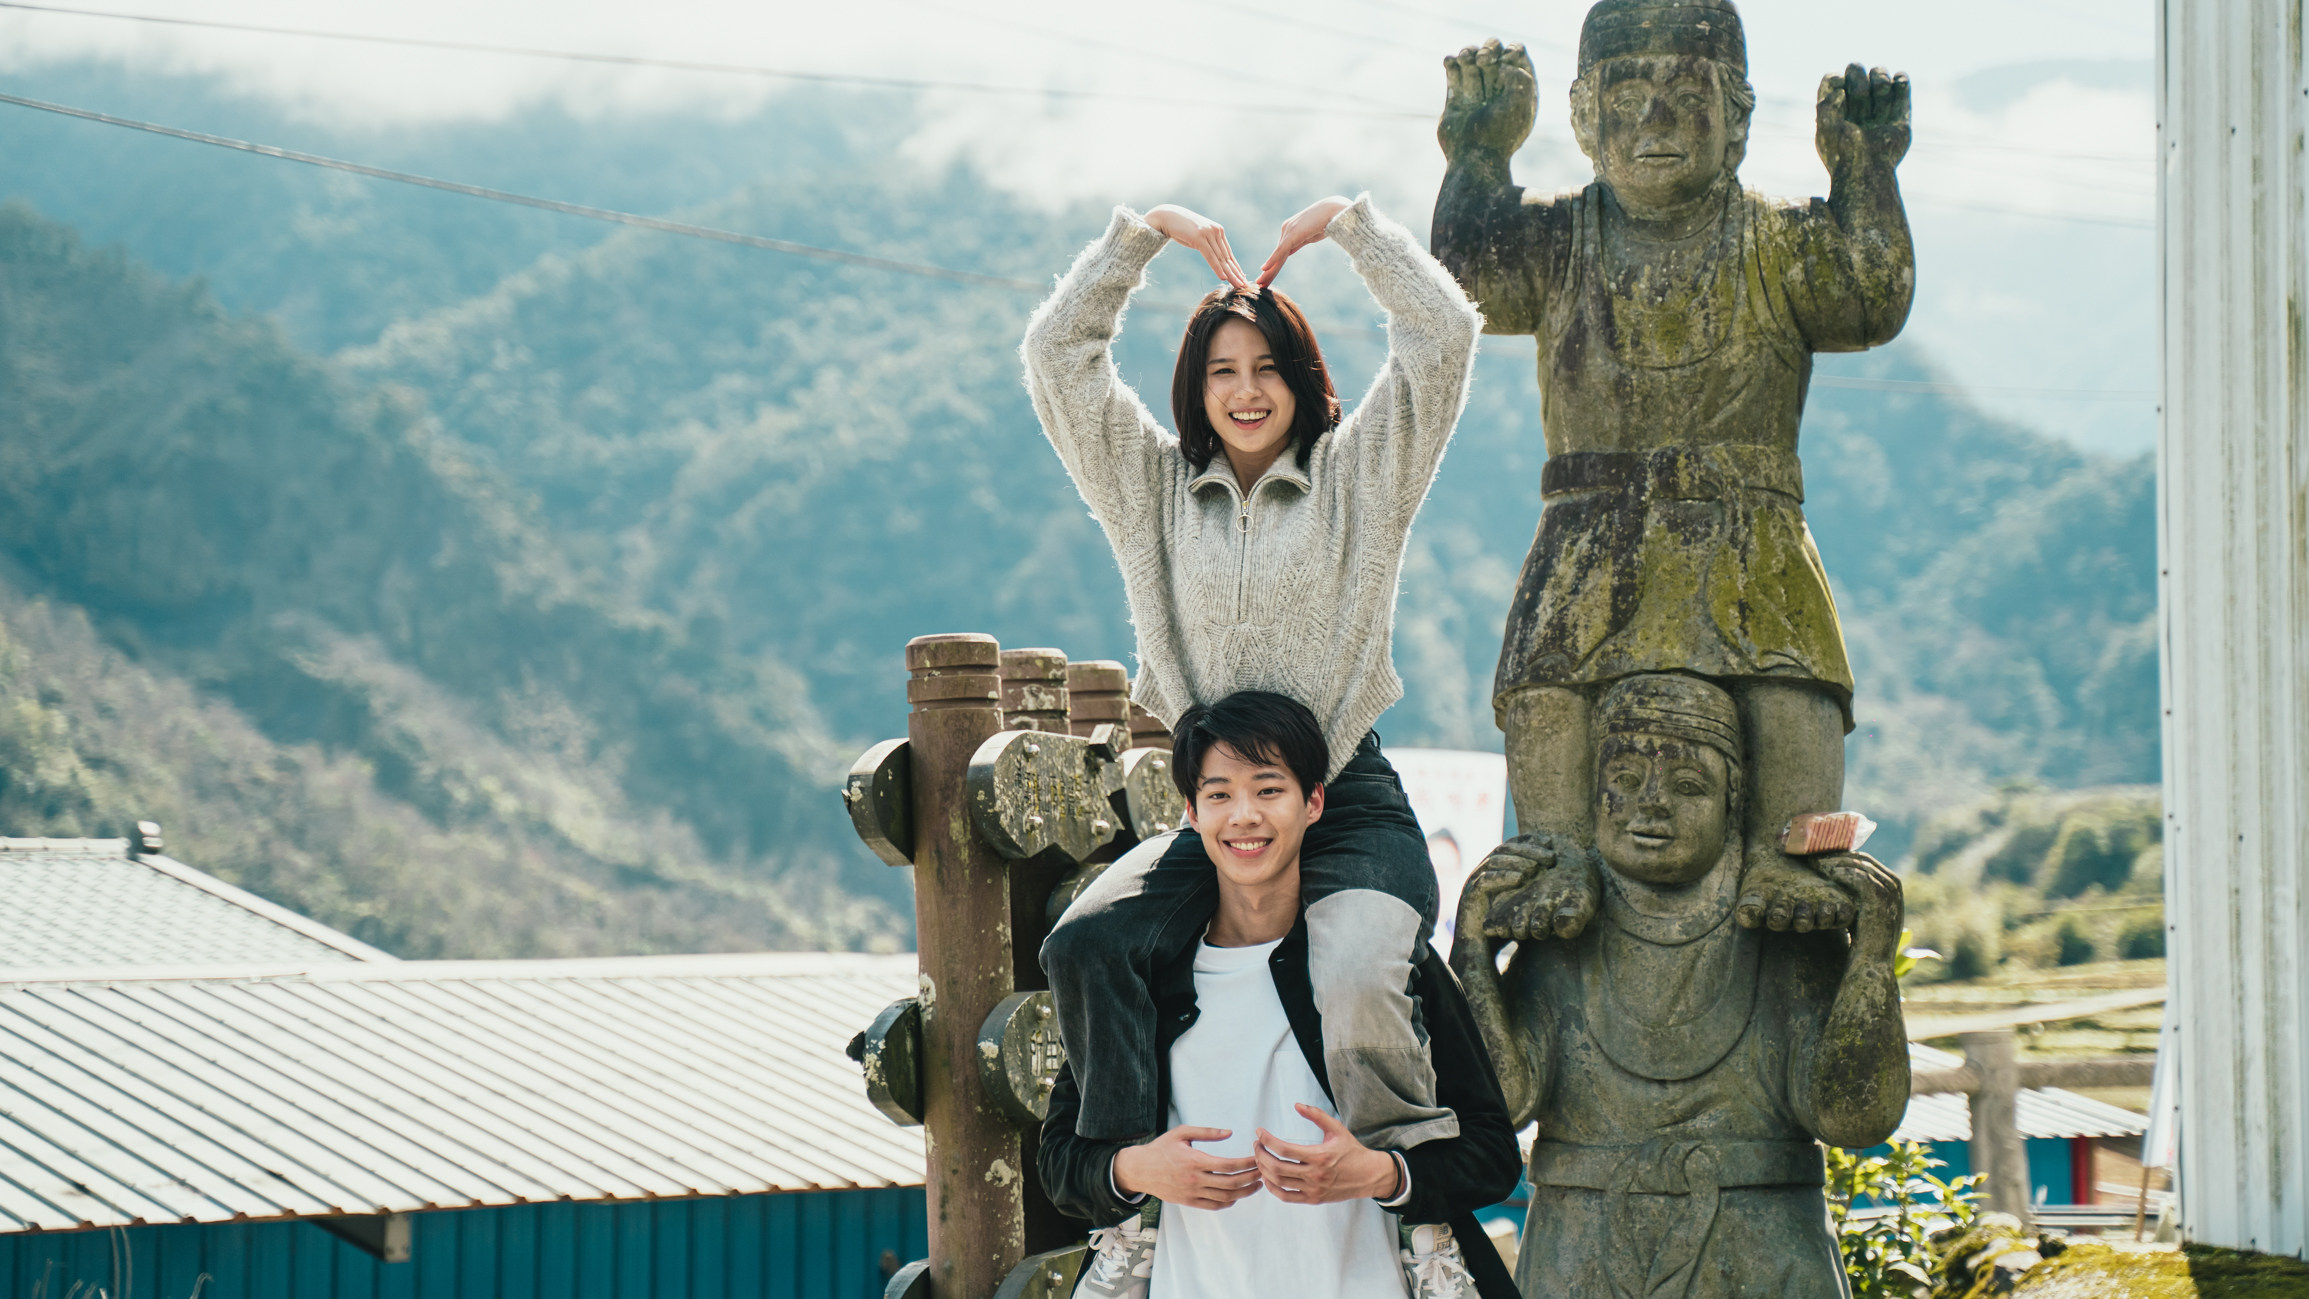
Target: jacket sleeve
<point x="1455" y="1176"/>
<point x="1121" y="459"/>
<point x="1385" y="454"/>
<point x="1078" y="1173"/>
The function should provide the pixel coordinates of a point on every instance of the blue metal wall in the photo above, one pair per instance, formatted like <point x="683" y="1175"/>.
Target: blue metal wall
<point x="2049" y="1170"/>
<point x="819" y="1245"/>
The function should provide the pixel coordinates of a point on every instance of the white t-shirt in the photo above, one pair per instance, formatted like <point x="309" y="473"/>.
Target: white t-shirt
<point x="1239" y="1068"/>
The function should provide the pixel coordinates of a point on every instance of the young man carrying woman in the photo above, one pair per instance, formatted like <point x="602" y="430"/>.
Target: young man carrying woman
<point x="1262" y="1191"/>
<point x="1260" y="549"/>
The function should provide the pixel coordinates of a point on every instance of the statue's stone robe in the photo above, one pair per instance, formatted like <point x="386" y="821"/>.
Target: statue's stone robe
<point x="1672" y="381"/>
<point x="1675" y="1154"/>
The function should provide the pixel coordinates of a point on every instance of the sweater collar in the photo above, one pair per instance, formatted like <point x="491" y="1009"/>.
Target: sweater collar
<point x="1285" y="469"/>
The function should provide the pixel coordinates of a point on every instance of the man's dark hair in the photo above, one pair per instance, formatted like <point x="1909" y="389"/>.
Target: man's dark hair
<point x="1297" y="358"/>
<point x="1260" y="726"/>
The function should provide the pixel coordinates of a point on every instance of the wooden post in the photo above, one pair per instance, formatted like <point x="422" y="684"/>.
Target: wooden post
<point x="1034" y="690"/>
<point x="962" y="890"/>
<point x="1097" y="692"/>
<point x="1035" y="697"/>
<point x="1997" y="1148"/>
<point x="1147" y="730"/>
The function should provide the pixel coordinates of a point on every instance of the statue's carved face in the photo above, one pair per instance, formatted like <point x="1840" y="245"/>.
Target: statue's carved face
<point x="1663" y="132"/>
<point x="1663" y="808"/>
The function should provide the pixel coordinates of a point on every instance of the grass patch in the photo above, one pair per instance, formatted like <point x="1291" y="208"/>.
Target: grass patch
<point x="2091" y="1270"/>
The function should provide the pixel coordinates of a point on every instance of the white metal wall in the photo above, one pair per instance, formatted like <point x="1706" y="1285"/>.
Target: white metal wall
<point x="2233" y="546"/>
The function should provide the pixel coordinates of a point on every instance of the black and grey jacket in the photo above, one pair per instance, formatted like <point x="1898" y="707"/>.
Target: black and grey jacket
<point x="1450" y="1178"/>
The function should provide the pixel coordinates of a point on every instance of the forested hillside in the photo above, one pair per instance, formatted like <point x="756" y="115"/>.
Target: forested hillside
<point x="496" y="586"/>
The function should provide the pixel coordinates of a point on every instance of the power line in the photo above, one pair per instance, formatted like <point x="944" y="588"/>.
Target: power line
<point x="546" y="204"/>
<point x="843" y="257"/>
<point x="1980" y="390"/>
<point x="933" y="83"/>
<point x="2071" y="218"/>
<point x="691" y="65"/>
<point x="1231" y="76"/>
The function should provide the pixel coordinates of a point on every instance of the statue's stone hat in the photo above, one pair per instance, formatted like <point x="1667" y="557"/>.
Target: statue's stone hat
<point x="1678" y="706"/>
<point x="1620" y="28"/>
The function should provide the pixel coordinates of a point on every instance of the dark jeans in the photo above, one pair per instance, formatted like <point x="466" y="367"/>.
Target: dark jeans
<point x="1368" y="888"/>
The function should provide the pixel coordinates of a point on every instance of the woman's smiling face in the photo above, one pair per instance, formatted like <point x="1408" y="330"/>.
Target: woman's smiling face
<point x="1245" y="396"/>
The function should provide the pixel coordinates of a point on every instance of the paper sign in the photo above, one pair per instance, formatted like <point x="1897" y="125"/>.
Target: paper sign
<point x="1461" y="801"/>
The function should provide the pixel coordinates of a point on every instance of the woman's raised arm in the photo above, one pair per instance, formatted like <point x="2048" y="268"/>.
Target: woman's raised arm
<point x="1387" y="450"/>
<point x="1120" y="458"/>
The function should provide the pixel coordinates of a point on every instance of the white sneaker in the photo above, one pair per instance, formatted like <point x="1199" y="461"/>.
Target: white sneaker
<point x="1433" y="1267"/>
<point x="1122" y="1258"/>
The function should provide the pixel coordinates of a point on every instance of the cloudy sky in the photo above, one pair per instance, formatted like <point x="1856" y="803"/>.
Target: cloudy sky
<point x="2031" y="184"/>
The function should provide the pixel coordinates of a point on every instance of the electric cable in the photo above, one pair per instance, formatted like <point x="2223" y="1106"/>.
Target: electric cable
<point x="930" y="83"/>
<point x="841" y="256"/>
<point x="546" y="204"/>
<point x="691" y="65"/>
<point x="1937" y="389"/>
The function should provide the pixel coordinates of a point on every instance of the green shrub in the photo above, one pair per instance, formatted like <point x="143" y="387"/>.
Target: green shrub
<point x="2142" y="939"/>
<point x="1889" y="1253"/>
<point x="2074" y="946"/>
<point x="1971" y="956"/>
<point x="2092" y="849"/>
<point x="2022" y="856"/>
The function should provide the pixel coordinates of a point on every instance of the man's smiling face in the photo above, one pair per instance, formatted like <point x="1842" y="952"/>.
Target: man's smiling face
<point x="1252" y="816"/>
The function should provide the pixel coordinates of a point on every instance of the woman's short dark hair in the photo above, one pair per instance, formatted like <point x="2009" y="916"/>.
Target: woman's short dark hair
<point x="1297" y="358"/>
<point x="1259" y="726"/>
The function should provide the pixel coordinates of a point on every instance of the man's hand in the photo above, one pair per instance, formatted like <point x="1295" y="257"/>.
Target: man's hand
<point x="1171" y="1170"/>
<point x="1203" y="235"/>
<point x="1341" y="1168"/>
<point x="1490" y="101"/>
<point x="1862" y="118"/>
<point x="1876" y="892"/>
<point x="1305" y="228"/>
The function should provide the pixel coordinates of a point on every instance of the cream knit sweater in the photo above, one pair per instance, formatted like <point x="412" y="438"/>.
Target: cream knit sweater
<point x="1291" y="588"/>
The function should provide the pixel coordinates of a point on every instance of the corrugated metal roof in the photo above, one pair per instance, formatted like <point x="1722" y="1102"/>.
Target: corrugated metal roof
<point x="2041" y="1111"/>
<point x="197" y="1095"/>
<point x="86" y="902"/>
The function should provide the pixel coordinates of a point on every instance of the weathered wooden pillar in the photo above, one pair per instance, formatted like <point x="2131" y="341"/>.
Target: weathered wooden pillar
<point x="1034" y="690"/>
<point x="1097" y="692"/>
<point x="992" y="798"/>
<point x="1035" y="697"/>
<point x="962" y="914"/>
<point x="1147" y="730"/>
<point x="1997" y="1148"/>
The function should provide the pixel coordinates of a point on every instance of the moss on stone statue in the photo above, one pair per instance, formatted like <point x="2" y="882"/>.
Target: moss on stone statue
<point x="2093" y="1270"/>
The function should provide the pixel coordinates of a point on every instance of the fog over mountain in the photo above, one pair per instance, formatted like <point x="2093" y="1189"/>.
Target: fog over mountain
<point x="490" y="582"/>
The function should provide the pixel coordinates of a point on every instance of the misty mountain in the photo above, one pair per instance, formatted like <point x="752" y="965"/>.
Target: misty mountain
<point x="593" y="556"/>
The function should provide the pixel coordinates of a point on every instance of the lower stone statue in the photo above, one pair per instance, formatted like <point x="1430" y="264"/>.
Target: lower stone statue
<point x="1681" y="1067"/>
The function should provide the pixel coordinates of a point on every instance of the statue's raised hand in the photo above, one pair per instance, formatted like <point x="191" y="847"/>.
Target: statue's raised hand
<point x="1877" y="901"/>
<point x="1490" y="103"/>
<point x="1862" y="117"/>
<point x="1540" y="886"/>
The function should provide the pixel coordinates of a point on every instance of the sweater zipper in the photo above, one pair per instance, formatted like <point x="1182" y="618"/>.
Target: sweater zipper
<point x="1243" y="559"/>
